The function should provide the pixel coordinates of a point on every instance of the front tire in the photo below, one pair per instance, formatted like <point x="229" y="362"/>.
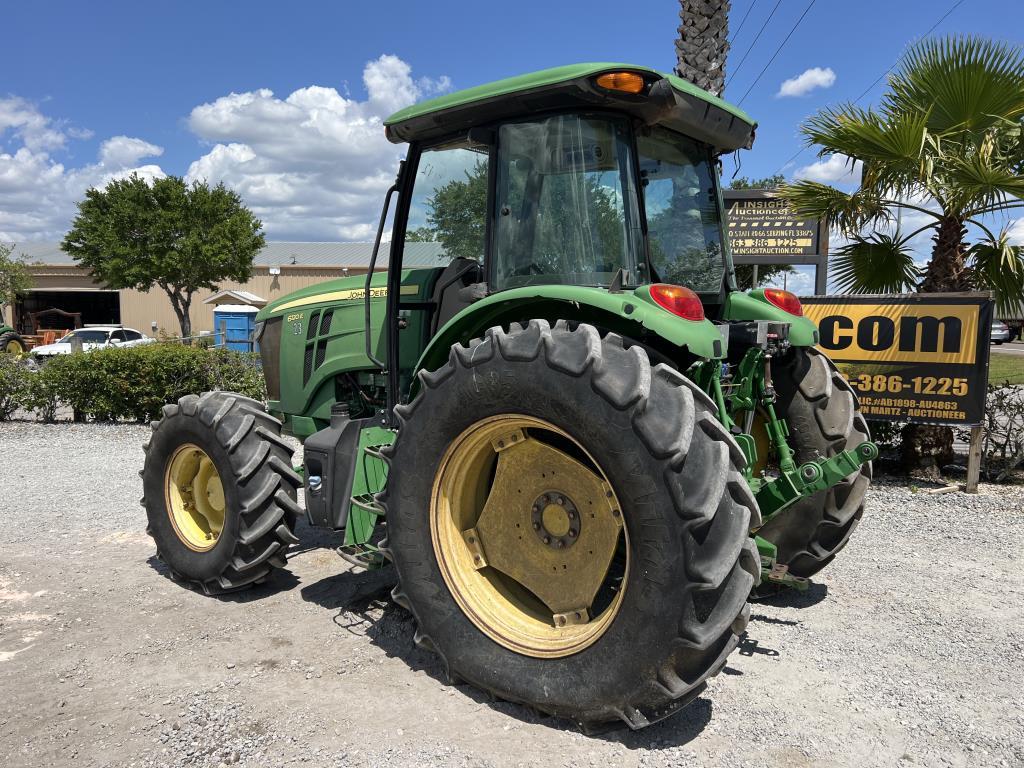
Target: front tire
<point x="824" y="419"/>
<point x="12" y="343"/>
<point x="678" y="604"/>
<point x="220" y="493"/>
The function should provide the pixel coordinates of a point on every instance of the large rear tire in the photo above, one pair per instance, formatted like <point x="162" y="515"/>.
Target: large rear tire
<point x="824" y="418"/>
<point x="579" y="409"/>
<point x="220" y="492"/>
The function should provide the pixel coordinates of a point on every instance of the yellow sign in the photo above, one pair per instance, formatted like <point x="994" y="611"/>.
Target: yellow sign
<point x="897" y="333"/>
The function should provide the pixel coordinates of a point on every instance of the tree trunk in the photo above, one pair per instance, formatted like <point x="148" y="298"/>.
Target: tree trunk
<point x="927" y="447"/>
<point x="947" y="271"/>
<point x="180" y="304"/>
<point x="703" y="43"/>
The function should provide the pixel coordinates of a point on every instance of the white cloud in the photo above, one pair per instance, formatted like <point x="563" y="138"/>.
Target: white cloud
<point x="37" y="192"/>
<point x="834" y="169"/>
<point x="315" y="164"/>
<point x="312" y="165"/>
<point x="807" y="81"/>
<point x="1015" y="232"/>
<point x="125" y="151"/>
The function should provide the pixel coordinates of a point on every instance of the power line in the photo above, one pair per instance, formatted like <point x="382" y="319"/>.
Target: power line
<point x="781" y="46"/>
<point x="744" y="21"/>
<point x="878" y="79"/>
<point x="752" y="44"/>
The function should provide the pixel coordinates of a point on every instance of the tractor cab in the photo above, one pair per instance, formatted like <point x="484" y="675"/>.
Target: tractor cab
<point x="594" y="176"/>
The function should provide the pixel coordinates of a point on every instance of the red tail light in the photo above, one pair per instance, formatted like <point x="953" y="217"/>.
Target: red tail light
<point x="784" y="300"/>
<point x="678" y="300"/>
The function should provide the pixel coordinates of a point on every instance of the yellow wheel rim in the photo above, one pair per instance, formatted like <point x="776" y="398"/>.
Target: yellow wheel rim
<point x="15" y="347"/>
<point x="194" y="497"/>
<point x="529" y="536"/>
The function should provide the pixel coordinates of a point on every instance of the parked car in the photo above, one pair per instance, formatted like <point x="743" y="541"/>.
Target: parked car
<point x="1000" y="332"/>
<point x="94" y="337"/>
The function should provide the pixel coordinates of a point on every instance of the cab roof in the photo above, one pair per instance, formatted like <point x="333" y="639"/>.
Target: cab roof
<point x="668" y="100"/>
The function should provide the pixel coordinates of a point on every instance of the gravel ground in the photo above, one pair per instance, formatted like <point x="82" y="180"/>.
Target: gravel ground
<point x="907" y="650"/>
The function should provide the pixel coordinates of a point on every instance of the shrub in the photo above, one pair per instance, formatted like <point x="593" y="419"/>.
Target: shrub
<point x="14" y="382"/>
<point x="136" y="382"/>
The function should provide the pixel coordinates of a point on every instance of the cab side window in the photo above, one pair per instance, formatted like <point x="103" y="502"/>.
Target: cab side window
<point x="449" y="200"/>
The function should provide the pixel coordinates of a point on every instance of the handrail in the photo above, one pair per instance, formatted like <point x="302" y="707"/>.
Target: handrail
<point x="369" y="276"/>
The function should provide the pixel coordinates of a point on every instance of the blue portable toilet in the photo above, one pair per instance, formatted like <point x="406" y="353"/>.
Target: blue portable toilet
<point x="236" y="310"/>
<point x="238" y="321"/>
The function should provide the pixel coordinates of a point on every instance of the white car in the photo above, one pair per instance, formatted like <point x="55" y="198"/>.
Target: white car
<point x="94" y="337"/>
<point x="1000" y="332"/>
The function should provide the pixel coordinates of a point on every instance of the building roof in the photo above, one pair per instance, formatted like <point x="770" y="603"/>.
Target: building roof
<point x="233" y="296"/>
<point x="278" y="254"/>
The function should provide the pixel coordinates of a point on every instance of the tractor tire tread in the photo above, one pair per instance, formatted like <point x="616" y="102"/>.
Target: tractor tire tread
<point x="261" y="471"/>
<point x="667" y="411"/>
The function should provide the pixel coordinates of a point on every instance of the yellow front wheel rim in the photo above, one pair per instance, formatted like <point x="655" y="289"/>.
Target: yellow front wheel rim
<point x="529" y="536"/>
<point x="194" y="496"/>
<point x="15" y="347"/>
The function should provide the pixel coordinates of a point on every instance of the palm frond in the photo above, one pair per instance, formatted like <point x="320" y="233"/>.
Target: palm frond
<point x="848" y="213"/>
<point x="964" y="83"/>
<point x="998" y="266"/>
<point x="980" y="181"/>
<point x="893" y="145"/>
<point x="878" y="263"/>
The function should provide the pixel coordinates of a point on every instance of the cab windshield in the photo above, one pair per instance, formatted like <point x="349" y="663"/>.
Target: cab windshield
<point x="568" y="206"/>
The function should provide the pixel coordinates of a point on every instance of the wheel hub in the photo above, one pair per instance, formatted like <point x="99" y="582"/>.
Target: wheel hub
<point x="555" y="520"/>
<point x="526" y="534"/>
<point x="194" y="497"/>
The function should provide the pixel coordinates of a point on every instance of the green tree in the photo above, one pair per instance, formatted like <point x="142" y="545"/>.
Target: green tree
<point x="456" y="215"/>
<point x="945" y="144"/>
<point x="180" y="237"/>
<point x="766" y="273"/>
<point x="15" y="278"/>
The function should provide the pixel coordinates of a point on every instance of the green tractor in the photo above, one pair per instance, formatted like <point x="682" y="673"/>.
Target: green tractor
<point x="578" y="443"/>
<point x="11" y="341"/>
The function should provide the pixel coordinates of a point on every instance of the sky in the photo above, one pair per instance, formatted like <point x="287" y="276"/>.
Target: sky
<point x="284" y="101"/>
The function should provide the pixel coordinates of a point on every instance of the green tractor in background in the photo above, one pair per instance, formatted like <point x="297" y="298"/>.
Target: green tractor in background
<point x="11" y="341"/>
<point x="578" y="443"/>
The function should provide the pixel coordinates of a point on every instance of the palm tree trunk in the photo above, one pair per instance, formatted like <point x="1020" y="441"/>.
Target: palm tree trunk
<point x="927" y="447"/>
<point x="947" y="270"/>
<point x="703" y="43"/>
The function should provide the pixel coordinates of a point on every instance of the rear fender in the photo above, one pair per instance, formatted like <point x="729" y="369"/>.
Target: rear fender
<point x="753" y="306"/>
<point x="632" y="314"/>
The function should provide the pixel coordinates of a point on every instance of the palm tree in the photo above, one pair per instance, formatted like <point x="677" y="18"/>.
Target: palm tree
<point x="945" y="146"/>
<point x="703" y="43"/>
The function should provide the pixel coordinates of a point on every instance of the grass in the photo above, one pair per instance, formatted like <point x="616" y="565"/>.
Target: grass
<point x="1005" y="367"/>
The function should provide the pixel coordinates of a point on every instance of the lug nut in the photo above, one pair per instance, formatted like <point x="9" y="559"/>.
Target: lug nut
<point x="547" y="539"/>
<point x="536" y="526"/>
<point x="559" y="543"/>
<point x="572" y="533"/>
<point x="559" y="501"/>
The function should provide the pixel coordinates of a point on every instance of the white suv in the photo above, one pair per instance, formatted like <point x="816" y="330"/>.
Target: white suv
<point x="94" y="337"/>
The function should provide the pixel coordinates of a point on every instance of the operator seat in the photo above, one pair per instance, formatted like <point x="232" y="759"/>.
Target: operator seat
<point x="453" y="292"/>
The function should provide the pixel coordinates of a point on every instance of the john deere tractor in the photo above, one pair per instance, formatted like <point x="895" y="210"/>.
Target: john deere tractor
<point x="578" y="443"/>
<point x="10" y="340"/>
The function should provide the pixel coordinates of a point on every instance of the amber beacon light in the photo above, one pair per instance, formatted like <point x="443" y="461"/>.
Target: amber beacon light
<point x="627" y="82"/>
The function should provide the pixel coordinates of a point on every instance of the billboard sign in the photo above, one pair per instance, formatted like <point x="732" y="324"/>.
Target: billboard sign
<point x="912" y="357"/>
<point x="761" y="224"/>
